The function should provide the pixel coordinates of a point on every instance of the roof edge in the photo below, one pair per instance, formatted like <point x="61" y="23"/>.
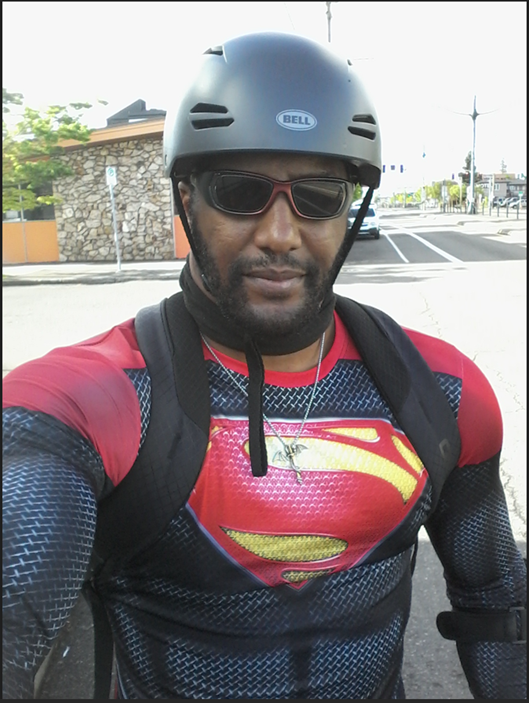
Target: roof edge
<point x="118" y="133"/>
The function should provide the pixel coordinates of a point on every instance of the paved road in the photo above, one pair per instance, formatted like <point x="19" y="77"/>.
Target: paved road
<point x="479" y="305"/>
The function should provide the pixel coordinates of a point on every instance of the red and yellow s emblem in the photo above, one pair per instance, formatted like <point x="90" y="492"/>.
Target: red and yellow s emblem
<point x="353" y="484"/>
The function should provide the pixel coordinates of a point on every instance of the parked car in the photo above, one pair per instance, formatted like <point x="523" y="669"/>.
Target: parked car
<point x="370" y="226"/>
<point x="511" y="202"/>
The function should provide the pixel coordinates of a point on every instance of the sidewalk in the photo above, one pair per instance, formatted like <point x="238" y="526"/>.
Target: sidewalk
<point x="100" y="272"/>
<point x="107" y="272"/>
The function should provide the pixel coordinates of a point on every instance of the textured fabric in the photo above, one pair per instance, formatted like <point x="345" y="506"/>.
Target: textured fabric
<point x="191" y="619"/>
<point x="49" y="518"/>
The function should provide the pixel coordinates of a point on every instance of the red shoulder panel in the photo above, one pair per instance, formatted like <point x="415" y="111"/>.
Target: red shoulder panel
<point x="479" y="417"/>
<point x="85" y="387"/>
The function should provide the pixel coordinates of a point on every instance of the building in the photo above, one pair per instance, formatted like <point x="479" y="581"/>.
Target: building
<point x="505" y="185"/>
<point x="81" y="228"/>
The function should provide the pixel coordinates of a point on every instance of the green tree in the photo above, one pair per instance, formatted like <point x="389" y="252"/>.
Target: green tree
<point x="357" y="192"/>
<point x="454" y="192"/>
<point x="30" y="149"/>
<point x="465" y="173"/>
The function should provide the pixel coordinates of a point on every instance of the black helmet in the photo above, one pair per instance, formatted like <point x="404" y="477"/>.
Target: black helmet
<point x="274" y="92"/>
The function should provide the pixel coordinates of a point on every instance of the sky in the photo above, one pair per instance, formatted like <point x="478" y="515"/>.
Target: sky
<point x="422" y="62"/>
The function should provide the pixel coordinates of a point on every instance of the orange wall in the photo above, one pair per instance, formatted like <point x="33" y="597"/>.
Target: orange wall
<point x="41" y="242"/>
<point x="181" y="245"/>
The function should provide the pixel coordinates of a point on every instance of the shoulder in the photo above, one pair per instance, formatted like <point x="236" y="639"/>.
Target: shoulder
<point x="478" y="414"/>
<point x="85" y="386"/>
<point x="472" y="396"/>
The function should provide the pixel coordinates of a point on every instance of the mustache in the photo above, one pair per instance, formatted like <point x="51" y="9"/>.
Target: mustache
<point x="242" y="267"/>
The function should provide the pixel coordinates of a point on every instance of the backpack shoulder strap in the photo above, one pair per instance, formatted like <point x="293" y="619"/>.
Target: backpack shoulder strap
<point x="409" y="387"/>
<point x="143" y="504"/>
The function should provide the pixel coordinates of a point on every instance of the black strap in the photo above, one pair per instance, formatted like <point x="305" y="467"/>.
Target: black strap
<point x="103" y="643"/>
<point x="139" y="509"/>
<point x="507" y="626"/>
<point x="419" y="405"/>
<point x="141" y="506"/>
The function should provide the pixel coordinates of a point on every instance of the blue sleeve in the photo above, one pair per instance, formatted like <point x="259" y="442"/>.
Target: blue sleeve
<point x="52" y="478"/>
<point x="484" y="571"/>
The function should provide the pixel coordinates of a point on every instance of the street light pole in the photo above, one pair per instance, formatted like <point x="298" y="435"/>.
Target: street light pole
<point x="474" y="116"/>
<point x="423" y="191"/>
<point x="329" y="17"/>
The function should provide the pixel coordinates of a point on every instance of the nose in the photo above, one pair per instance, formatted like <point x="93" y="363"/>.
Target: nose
<point x="278" y="227"/>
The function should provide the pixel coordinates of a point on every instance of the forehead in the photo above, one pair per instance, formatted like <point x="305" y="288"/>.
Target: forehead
<point x="279" y="165"/>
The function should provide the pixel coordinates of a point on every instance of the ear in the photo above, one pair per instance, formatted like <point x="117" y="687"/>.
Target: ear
<point x="184" y="189"/>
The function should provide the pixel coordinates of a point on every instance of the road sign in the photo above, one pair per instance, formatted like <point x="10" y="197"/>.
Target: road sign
<point x="112" y="176"/>
<point x="112" y="179"/>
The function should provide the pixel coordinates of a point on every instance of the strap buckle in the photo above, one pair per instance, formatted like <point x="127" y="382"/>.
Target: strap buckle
<point x="522" y="639"/>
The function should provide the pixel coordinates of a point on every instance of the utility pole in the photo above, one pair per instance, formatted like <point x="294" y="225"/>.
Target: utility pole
<point x="474" y="116"/>
<point x="423" y="191"/>
<point x="329" y="17"/>
<point x="23" y="222"/>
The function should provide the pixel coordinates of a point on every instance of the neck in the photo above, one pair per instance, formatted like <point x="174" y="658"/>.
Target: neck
<point x="291" y="352"/>
<point x="301" y="360"/>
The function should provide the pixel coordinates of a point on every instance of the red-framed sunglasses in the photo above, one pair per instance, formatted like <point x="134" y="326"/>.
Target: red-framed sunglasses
<point x="239" y="193"/>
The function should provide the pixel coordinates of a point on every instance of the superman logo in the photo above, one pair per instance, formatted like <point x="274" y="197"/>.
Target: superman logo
<point x="353" y="483"/>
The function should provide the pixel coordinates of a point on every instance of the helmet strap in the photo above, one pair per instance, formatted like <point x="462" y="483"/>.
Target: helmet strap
<point x="350" y="237"/>
<point x="187" y="229"/>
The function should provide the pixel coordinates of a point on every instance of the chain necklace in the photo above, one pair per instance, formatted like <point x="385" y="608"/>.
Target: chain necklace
<point x="292" y="449"/>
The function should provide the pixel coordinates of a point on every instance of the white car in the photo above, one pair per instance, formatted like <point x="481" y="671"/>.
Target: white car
<point x="371" y="224"/>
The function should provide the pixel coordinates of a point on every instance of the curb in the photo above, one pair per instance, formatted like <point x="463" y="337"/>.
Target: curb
<point x="102" y="278"/>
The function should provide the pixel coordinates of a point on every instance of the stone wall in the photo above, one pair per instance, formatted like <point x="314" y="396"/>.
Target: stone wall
<point x="142" y="199"/>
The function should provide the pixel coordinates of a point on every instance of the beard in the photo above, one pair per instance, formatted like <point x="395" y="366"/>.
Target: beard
<point x="232" y="297"/>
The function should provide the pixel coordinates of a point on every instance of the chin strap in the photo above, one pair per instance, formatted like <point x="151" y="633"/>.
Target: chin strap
<point x="350" y="237"/>
<point x="258" y="455"/>
<point x="185" y="223"/>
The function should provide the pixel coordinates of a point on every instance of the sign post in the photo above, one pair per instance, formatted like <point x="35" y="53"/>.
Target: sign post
<point x="112" y="179"/>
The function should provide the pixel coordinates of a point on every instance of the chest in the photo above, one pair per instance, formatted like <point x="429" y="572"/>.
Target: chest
<point x="337" y="484"/>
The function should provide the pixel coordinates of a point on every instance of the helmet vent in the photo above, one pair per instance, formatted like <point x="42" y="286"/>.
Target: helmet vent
<point x="207" y="115"/>
<point x="208" y="107"/>
<point x="369" y="119"/>
<point x="367" y="133"/>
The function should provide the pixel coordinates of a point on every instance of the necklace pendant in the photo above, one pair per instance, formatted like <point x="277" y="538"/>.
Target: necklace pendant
<point x="291" y="450"/>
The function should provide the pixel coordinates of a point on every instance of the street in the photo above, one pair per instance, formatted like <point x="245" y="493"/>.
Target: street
<point x="465" y="285"/>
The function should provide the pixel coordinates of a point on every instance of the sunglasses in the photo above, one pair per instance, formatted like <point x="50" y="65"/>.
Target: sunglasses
<point x="240" y="193"/>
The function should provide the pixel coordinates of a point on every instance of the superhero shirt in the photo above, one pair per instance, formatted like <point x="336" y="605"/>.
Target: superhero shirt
<point x="280" y="586"/>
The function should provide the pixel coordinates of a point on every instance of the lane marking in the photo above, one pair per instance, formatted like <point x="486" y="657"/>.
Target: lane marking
<point x="406" y="261"/>
<point x="441" y="252"/>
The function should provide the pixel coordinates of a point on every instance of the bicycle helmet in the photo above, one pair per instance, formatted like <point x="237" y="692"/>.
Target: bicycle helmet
<point x="274" y="92"/>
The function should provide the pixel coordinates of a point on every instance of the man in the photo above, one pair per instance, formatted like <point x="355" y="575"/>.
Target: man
<point x="255" y="529"/>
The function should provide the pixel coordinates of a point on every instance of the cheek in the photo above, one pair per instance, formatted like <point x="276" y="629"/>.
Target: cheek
<point x="224" y="239"/>
<point x="325" y="242"/>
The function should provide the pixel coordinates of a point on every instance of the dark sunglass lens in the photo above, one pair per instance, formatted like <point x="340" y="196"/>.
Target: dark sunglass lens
<point x="319" y="199"/>
<point x="240" y="194"/>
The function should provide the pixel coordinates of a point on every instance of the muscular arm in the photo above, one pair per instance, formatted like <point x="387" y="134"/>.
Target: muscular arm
<point x="52" y="477"/>
<point x="484" y="571"/>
